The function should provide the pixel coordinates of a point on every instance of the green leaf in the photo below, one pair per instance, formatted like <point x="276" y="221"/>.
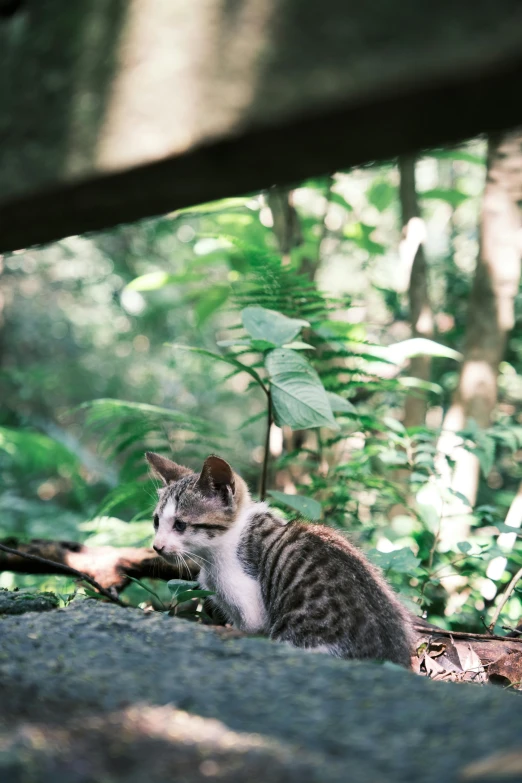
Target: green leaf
<point x="464" y="547"/>
<point x="395" y="425"/>
<point x="339" y="405"/>
<point x="360" y="233"/>
<point x="450" y="195"/>
<point x="271" y="326"/>
<point x="418" y="478"/>
<point x="230" y="343"/>
<point x="298" y="345"/>
<point x="381" y="194"/>
<point x="93" y="594"/>
<point x="393" y="457"/>
<point x="176" y="585"/>
<point x="456" y="494"/>
<point x="298" y="395"/>
<point x="262" y="345"/>
<point x="336" y="198"/>
<point x="485" y="454"/>
<point x="219" y="358"/>
<point x="401" y="560"/>
<point x="252" y="419"/>
<point x="417" y="383"/>
<point x="308" y="507"/>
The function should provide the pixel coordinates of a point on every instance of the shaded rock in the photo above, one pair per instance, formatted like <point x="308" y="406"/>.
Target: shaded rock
<point x="95" y="692"/>
<point x="13" y="602"/>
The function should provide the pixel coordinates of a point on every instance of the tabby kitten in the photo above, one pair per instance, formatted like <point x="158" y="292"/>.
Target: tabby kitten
<point x="299" y="583"/>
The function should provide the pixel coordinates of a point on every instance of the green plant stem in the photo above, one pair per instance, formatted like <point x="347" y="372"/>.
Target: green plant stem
<point x="266" y="456"/>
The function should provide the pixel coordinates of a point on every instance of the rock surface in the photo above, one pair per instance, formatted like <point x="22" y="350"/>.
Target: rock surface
<point x="12" y="602"/>
<point x="99" y="693"/>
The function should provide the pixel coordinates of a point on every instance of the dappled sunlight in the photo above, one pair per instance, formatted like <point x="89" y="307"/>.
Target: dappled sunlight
<point x="154" y="740"/>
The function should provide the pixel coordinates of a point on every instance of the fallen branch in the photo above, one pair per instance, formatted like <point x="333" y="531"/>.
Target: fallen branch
<point x="64" y="569"/>
<point x="109" y="566"/>
<point x="428" y="628"/>
<point x="459" y="656"/>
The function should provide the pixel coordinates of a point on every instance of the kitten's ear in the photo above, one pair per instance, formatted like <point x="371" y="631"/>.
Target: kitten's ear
<point x="216" y="475"/>
<point x="167" y="470"/>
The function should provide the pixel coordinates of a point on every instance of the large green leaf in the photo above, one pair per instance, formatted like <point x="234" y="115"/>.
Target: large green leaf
<point x="307" y="507"/>
<point x="298" y="395"/>
<point x="269" y="325"/>
<point x="339" y="405"/>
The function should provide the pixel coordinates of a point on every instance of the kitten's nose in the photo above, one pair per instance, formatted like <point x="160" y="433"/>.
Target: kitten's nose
<point x="159" y="549"/>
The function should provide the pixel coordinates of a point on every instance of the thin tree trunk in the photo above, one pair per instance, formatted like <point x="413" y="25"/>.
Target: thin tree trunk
<point x="421" y="313"/>
<point x="490" y="318"/>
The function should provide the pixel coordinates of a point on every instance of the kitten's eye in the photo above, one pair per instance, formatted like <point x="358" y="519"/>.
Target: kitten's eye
<point x="156" y="521"/>
<point x="180" y="526"/>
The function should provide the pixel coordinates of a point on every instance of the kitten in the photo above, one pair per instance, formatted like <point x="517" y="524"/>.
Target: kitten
<point x="299" y="583"/>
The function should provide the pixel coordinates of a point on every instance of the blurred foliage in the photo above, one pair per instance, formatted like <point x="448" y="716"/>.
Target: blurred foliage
<point x="92" y="375"/>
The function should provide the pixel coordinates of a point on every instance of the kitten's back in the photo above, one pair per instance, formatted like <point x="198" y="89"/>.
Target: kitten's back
<point x="320" y="591"/>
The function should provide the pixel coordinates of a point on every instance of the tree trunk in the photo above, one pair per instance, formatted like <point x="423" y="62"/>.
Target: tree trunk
<point x="490" y="318"/>
<point x="421" y="314"/>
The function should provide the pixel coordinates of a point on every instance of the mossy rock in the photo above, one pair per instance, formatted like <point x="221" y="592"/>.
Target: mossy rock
<point x="97" y="692"/>
<point x="15" y="602"/>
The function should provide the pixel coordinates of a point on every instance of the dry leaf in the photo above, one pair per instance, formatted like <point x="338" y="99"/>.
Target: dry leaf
<point x="470" y="662"/>
<point x="509" y="668"/>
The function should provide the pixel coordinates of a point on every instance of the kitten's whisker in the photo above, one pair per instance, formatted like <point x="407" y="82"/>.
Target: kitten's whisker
<point x="198" y="557"/>
<point x="185" y="565"/>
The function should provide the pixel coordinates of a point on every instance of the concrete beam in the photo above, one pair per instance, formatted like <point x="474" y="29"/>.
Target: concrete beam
<point x="115" y="111"/>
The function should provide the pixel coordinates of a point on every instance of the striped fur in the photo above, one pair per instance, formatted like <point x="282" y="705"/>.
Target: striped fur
<point x="297" y="583"/>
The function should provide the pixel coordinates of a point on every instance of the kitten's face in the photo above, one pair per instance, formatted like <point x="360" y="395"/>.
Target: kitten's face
<point x="194" y="509"/>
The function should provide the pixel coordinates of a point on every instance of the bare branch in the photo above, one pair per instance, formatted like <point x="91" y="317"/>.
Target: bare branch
<point x="65" y="570"/>
<point x="503" y="601"/>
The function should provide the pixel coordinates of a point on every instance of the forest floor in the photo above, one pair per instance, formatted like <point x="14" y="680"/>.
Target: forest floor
<point x="97" y="692"/>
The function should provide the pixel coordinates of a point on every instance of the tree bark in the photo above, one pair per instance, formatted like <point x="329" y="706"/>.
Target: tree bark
<point x="490" y="318"/>
<point x="421" y="314"/>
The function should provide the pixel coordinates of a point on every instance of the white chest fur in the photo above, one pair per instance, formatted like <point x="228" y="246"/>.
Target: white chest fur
<point x="236" y="592"/>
